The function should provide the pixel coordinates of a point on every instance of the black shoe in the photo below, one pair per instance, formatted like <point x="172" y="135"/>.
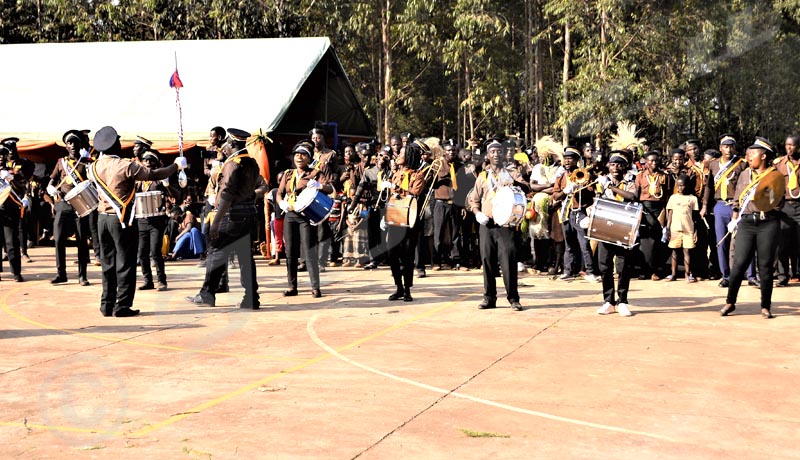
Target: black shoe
<point x="223" y="289"/>
<point x="724" y="283"/>
<point x="397" y="295"/>
<point x="486" y="304"/>
<point x="316" y="293"/>
<point x="125" y="312"/>
<point x="105" y="313"/>
<point x="290" y="293"/>
<point x="783" y="283"/>
<point x="407" y="296"/>
<point x="370" y="266"/>
<point x="19" y="278"/>
<point x="753" y="282"/>
<point x="201" y="301"/>
<point x="161" y="286"/>
<point x="84" y="282"/>
<point x="421" y="273"/>
<point x="727" y="310"/>
<point x="248" y="305"/>
<point x="147" y="287"/>
<point x="766" y="314"/>
<point x="59" y="279"/>
<point x="516" y="306"/>
<point x="301" y="268"/>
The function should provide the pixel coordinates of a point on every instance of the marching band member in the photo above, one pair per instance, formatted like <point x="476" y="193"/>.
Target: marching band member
<point x="653" y="188"/>
<point x="300" y="236"/>
<point x="151" y="229"/>
<point x="18" y="171"/>
<point x="724" y="175"/>
<point x="618" y="186"/>
<point x="444" y="220"/>
<point x="577" y="197"/>
<point x="70" y="171"/>
<point x="789" y="166"/>
<point x="115" y="177"/>
<point x="546" y="238"/>
<point x="408" y="179"/>
<point x="324" y="160"/>
<point x="370" y="193"/>
<point x="496" y="242"/>
<point x="231" y="229"/>
<point x="757" y="228"/>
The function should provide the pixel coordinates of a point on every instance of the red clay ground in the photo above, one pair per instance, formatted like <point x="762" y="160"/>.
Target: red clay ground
<point x="352" y="375"/>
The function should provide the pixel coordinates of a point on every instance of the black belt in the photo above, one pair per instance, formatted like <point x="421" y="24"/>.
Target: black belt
<point x="444" y="201"/>
<point x="760" y="217"/>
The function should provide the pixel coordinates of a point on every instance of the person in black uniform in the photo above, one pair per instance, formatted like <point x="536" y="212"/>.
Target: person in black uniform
<point x="756" y="230"/>
<point x="115" y="179"/>
<point x="231" y="227"/>
<point x="67" y="174"/>
<point x="151" y="228"/>
<point x="496" y="241"/>
<point x="300" y="236"/>
<point x="18" y="171"/>
<point x="371" y="194"/>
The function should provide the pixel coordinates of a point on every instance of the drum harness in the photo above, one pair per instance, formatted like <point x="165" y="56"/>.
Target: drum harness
<point x="120" y="206"/>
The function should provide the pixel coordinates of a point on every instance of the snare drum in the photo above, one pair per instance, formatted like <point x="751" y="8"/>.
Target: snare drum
<point x="508" y="206"/>
<point x="148" y="204"/>
<point x="401" y="212"/>
<point x="314" y="205"/>
<point x="5" y="190"/>
<point x="615" y="222"/>
<point x="83" y="198"/>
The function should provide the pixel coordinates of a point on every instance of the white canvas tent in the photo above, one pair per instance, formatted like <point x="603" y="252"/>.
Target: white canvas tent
<point x="276" y="85"/>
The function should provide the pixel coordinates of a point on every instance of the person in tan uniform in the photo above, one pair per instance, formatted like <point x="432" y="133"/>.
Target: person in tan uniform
<point x="115" y="176"/>
<point x="789" y="166"/>
<point x="496" y="241"/>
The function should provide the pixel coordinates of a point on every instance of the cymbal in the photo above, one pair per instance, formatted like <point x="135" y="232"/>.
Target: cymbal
<point x="769" y="191"/>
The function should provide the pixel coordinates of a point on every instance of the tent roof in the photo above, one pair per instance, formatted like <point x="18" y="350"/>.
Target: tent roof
<point x="249" y="84"/>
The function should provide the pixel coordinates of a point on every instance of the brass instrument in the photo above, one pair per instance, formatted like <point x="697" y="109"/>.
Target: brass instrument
<point x="579" y="176"/>
<point x="431" y="173"/>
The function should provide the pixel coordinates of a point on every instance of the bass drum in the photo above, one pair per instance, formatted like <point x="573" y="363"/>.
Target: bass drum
<point x="615" y="222"/>
<point x="508" y="206"/>
<point x="401" y="212"/>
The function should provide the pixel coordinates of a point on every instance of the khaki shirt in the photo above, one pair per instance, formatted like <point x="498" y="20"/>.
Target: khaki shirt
<point x="487" y="184"/>
<point x="326" y="164"/>
<point x="408" y="182"/>
<point x="239" y="179"/>
<point x="120" y="176"/>
<point x="728" y="179"/>
<point x="443" y="187"/>
<point x="661" y="182"/>
<point x="782" y="165"/>
<point x="294" y="181"/>
<point x="741" y="185"/>
<point x="582" y="199"/>
<point x="60" y="175"/>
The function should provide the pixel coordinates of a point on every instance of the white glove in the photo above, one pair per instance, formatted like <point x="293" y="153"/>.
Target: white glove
<point x="285" y="206"/>
<point x="482" y="218"/>
<point x="387" y="185"/>
<point x="664" y="234"/>
<point x="165" y="182"/>
<point x="181" y="162"/>
<point x="732" y="225"/>
<point x="84" y="153"/>
<point x="569" y="189"/>
<point x="604" y="181"/>
<point x="212" y="199"/>
<point x="215" y="164"/>
<point x="26" y="203"/>
<point x="313" y="183"/>
<point x="52" y="191"/>
<point x="4" y="174"/>
<point x="383" y="224"/>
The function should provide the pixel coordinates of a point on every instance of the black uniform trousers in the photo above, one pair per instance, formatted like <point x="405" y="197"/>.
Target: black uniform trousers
<point x="235" y="237"/>
<point x="9" y="220"/>
<point x="497" y="244"/>
<point x="375" y="236"/>
<point x="606" y="252"/>
<point x="300" y="239"/>
<point x="66" y="223"/>
<point x="789" y="240"/>
<point x="118" y="260"/>
<point x="650" y="245"/>
<point x="93" y="216"/>
<point x="443" y="230"/>
<point x="402" y="245"/>
<point x="755" y="236"/>
<point x="699" y="253"/>
<point x="151" y="243"/>
<point x="577" y="245"/>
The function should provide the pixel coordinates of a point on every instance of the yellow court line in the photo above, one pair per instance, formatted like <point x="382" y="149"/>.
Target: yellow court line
<point x="5" y="308"/>
<point x="251" y="386"/>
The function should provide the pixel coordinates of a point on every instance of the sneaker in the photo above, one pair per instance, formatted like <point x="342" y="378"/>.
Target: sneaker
<point x="162" y="286"/>
<point x="421" y="273"/>
<point x="201" y="301"/>
<point x="27" y="258"/>
<point x="623" y="310"/>
<point x="520" y="267"/>
<point x="691" y="279"/>
<point x="606" y="309"/>
<point x="592" y="278"/>
<point x="566" y="277"/>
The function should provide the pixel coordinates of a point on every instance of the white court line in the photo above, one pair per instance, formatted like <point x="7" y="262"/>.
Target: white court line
<point x="313" y="334"/>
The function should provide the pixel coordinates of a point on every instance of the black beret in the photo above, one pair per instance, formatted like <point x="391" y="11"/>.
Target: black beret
<point x="238" y="135"/>
<point x="727" y="139"/>
<point x="763" y="144"/>
<point x="78" y="135"/>
<point x="105" y="138"/>
<point x="571" y="151"/>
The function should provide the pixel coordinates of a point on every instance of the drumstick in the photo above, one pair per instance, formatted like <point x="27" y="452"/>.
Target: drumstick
<point x="723" y="238"/>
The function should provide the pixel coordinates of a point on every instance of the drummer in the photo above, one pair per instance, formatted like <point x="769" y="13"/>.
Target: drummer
<point x="496" y="241"/>
<point x="151" y="227"/>
<point x="68" y="173"/>
<point x="17" y="174"/>
<point x="300" y="236"/>
<point x="756" y="223"/>
<point x="617" y="186"/>
<point x="115" y="176"/>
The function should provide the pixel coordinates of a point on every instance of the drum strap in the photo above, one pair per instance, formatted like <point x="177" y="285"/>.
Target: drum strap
<point x="723" y="175"/>
<point x="120" y="206"/>
<point x="292" y="184"/>
<point x="453" y="177"/>
<point x="73" y="176"/>
<point x="16" y="199"/>
<point x="750" y="190"/>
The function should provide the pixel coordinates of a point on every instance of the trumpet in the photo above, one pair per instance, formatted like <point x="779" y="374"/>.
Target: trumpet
<point x="579" y="176"/>
<point x="431" y="174"/>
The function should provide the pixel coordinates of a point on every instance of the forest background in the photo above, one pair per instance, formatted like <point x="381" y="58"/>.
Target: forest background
<point x="466" y="68"/>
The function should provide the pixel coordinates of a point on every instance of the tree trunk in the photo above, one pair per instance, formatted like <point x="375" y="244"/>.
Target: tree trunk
<point x="539" y="66"/>
<point x="468" y="84"/>
<point x="388" y="98"/>
<point x="564" y="80"/>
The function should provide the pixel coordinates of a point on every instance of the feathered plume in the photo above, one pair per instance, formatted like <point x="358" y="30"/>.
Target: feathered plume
<point x="626" y="136"/>
<point x="435" y="145"/>
<point x="547" y="146"/>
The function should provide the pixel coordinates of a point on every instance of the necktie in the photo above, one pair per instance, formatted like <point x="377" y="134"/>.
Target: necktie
<point x="453" y="177"/>
<point x="792" y="174"/>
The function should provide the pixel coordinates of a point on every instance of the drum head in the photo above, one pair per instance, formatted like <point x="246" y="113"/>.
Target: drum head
<point x="304" y="199"/>
<point x="503" y="205"/>
<point x="77" y="190"/>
